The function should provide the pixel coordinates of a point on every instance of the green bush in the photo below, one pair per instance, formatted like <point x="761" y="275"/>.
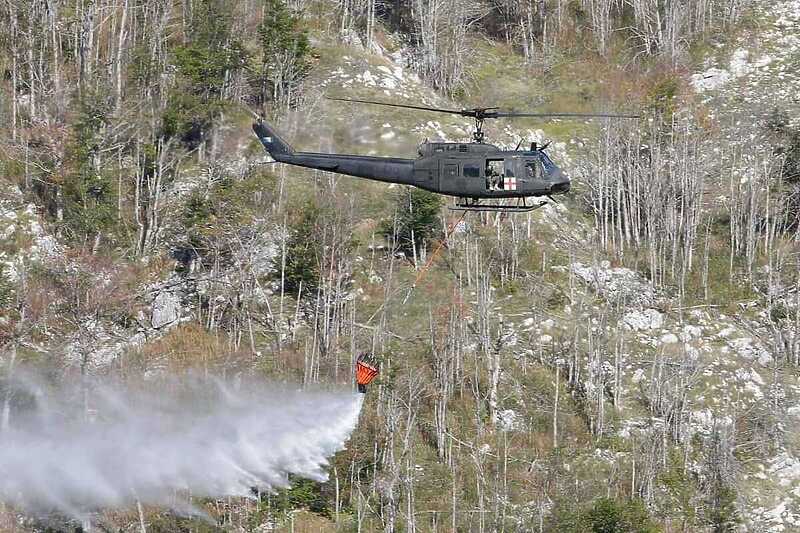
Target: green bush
<point x="680" y="498"/>
<point x="301" y="494"/>
<point x="199" y="215"/>
<point x="417" y="220"/>
<point x="662" y="97"/>
<point x="722" y="512"/>
<point x="604" y="516"/>
<point x="284" y="52"/>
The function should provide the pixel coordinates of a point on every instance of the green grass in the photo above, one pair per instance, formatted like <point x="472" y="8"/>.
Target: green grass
<point x="724" y="291"/>
<point x="524" y="88"/>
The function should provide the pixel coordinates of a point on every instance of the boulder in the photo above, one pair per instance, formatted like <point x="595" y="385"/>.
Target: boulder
<point x="166" y="309"/>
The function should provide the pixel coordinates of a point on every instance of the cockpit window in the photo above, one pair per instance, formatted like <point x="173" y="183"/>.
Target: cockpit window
<point x="471" y="171"/>
<point x="533" y="169"/>
<point x="549" y="165"/>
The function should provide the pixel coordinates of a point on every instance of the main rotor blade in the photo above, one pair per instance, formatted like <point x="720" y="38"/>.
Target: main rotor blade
<point x="504" y="114"/>
<point x="484" y="112"/>
<point x="405" y="106"/>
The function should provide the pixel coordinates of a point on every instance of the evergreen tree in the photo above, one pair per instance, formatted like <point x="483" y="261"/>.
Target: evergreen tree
<point x="417" y="220"/>
<point x="302" y="256"/>
<point x="205" y="64"/>
<point x="89" y="195"/>
<point x="285" y="50"/>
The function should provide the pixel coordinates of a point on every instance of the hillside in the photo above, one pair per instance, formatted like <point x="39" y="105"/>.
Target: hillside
<point x="626" y="356"/>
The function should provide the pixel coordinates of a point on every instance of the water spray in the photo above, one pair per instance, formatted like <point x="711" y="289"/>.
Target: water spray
<point x="80" y="448"/>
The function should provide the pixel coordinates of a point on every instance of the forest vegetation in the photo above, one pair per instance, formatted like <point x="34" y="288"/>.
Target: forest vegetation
<point x="625" y="360"/>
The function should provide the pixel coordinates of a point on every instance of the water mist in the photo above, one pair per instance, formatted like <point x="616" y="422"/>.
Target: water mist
<point x="80" y="448"/>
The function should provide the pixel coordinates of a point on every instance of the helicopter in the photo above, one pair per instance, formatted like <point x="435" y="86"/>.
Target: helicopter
<point x="478" y="174"/>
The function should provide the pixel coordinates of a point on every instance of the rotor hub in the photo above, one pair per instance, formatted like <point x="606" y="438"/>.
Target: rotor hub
<point x="478" y="133"/>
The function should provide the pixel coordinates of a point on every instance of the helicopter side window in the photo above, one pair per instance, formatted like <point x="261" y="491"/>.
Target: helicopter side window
<point x="494" y="174"/>
<point x="472" y="171"/>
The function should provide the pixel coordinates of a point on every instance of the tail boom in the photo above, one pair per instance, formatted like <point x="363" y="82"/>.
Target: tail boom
<point x="386" y="169"/>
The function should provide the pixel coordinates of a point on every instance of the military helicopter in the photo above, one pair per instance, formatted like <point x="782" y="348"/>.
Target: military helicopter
<point x="478" y="174"/>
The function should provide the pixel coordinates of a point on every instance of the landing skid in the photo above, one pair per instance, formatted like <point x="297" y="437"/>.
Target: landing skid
<point x="466" y="204"/>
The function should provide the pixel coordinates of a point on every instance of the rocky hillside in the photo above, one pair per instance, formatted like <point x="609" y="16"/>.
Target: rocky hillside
<point x="626" y="356"/>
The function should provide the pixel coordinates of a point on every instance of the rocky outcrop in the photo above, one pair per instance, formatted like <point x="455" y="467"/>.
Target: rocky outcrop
<point x="166" y="309"/>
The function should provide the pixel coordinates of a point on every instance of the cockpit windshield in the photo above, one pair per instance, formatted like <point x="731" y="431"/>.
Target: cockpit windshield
<point x="548" y="165"/>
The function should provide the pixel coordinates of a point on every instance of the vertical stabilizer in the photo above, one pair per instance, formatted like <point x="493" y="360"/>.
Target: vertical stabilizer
<point x="272" y="142"/>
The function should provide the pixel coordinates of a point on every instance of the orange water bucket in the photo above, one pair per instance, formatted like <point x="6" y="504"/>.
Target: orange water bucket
<point x="365" y="373"/>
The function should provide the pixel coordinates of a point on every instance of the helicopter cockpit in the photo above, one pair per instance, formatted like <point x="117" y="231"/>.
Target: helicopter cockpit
<point x="533" y="169"/>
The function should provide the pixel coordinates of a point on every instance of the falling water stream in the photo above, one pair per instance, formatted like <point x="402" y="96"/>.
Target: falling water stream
<point x="86" y="446"/>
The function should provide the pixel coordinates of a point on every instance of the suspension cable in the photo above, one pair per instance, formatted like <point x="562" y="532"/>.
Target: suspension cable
<point x="435" y="253"/>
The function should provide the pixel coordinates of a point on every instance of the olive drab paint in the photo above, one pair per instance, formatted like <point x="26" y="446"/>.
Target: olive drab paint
<point x="472" y="171"/>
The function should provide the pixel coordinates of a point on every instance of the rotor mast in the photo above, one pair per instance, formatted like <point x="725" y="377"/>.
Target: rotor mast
<point x="478" y="135"/>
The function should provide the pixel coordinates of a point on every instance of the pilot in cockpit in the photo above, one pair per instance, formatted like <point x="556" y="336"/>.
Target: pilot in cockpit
<point x="533" y="169"/>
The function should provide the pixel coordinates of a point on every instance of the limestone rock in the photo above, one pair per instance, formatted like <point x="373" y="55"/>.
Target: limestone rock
<point x="166" y="309"/>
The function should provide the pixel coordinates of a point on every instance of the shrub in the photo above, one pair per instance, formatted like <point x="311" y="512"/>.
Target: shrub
<point x="662" y="97"/>
<point x="417" y="220"/>
<point x="301" y="494"/>
<point x="604" y="516"/>
<point x="722" y="513"/>
<point x="284" y="53"/>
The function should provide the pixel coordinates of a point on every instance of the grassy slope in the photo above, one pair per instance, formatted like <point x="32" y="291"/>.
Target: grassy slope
<point x="521" y="463"/>
<point x="528" y="387"/>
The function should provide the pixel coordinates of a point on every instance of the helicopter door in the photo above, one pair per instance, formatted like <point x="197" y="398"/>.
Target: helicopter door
<point x="495" y="174"/>
<point x="450" y="175"/>
<point x="426" y="175"/>
<point x="510" y="179"/>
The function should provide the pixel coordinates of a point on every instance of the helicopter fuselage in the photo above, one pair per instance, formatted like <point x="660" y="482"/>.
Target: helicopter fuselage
<point x="478" y="170"/>
<point x="465" y="170"/>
